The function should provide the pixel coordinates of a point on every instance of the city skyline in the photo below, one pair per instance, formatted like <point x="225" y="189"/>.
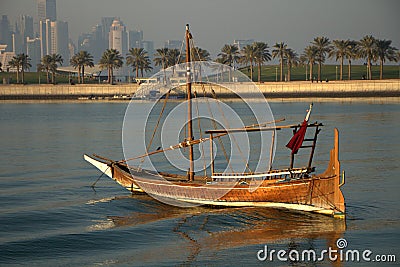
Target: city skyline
<point x="215" y="23"/>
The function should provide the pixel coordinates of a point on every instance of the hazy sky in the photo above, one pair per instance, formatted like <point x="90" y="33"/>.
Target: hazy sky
<point x="217" y="22"/>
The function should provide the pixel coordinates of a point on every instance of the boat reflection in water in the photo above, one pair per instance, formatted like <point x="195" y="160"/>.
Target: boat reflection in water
<point x="209" y="230"/>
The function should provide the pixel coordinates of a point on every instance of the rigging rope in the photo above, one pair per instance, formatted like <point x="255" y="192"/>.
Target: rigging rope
<point x="158" y="122"/>
<point x="201" y="136"/>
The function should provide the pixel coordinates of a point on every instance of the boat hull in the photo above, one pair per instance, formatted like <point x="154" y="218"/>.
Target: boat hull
<point x="319" y="193"/>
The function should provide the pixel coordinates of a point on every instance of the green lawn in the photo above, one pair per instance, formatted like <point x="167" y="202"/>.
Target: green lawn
<point x="33" y="78"/>
<point x="268" y="72"/>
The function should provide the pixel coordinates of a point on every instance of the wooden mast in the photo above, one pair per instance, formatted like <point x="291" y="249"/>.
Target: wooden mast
<point x="189" y="98"/>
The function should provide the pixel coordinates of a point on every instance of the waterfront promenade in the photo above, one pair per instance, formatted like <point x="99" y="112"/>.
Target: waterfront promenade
<point x="356" y="88"/>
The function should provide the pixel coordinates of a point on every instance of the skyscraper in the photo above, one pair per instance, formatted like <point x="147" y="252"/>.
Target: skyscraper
<point x="59" y="39"/>
<point x="23" y="30"/>
<point x="45" y="37"/>
<point x="135" y="39"/>
<point x="54" y="38"/>
<point x="118" y="37"/>
<point x="47" y="10"/>
<point x="33" y="50"/>
<point x="5" y="33"/>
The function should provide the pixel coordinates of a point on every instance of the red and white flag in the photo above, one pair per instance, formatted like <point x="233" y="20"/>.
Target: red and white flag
<point x="298" y="138"/>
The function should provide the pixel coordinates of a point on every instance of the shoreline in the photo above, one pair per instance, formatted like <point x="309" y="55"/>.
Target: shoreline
<point x="371" y="100"/>
<point x="271" y="90"/>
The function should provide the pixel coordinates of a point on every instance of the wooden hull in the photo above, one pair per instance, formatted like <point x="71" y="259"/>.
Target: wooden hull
<point x="319" y="193"/>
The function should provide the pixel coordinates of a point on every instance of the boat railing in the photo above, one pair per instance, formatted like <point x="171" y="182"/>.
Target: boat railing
<point x="270" y="175"/>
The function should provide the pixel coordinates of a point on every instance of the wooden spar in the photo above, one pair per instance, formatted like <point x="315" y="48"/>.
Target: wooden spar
<point x="317" y="130"/>
<point x="292" y="154"/>
<point x="189" y="98"/>
<point x="211" y="154"/>
<point x="271" y="151"/>
<point x="198" y="141"/>
<point x="258" y="129"/>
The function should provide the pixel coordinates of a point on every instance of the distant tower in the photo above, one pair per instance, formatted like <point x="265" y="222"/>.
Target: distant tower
<point x="5" y="33"/>
<point x="173" y="44"/>
<point x="118" y="37"/>
<point x="47" y="10"/>
<point x="33" y="50"/>
<point x="135" y="39"/>
<point x="59" y="39"/>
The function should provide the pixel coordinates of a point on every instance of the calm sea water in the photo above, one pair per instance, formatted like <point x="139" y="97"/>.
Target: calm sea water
<point x="50" y="216"/>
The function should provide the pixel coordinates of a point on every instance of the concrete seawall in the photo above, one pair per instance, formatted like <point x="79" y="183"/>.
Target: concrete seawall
<point x="375" y="88"/>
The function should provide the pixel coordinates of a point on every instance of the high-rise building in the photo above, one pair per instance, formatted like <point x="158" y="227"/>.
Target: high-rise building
<point x="135" y="39"/>
<point x="118" y="37"/>
<point x="54" y="38"/>
<point x="106" y="23"/>
<point x="149" y="47"/>
<point x="242" y="43"/>
<point x="45" y="37"/>
<point x="59" y="39"/>
<point x="24" y="29"/>
<point x="33" y="50"/>
<point x="173" y="44"/>
<point x="5" y="33"/>
<point x="47" y="10"/>
<point x="18" y="44"/>
<point x="25" y="25"/>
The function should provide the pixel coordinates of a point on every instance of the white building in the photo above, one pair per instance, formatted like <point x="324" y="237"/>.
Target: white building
<point x="118" y="39"/>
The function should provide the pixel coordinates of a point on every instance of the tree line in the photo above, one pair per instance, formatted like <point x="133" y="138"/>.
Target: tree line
<point x="257" y="54"/>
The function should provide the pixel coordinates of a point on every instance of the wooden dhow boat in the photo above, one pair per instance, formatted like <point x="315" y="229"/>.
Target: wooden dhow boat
<point x="289" y="188"/>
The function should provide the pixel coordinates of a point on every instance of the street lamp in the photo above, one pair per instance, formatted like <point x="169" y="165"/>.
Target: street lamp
<point x="306" y="72"/>
<point x="336" y="73"/>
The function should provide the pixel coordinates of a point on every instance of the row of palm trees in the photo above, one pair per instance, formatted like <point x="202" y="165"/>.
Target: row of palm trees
<point x="317" y="52"/>
<point x="255" y="54"/>
<point x="20" y="62"/>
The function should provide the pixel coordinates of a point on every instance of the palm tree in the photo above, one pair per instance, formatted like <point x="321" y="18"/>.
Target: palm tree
<point x="110" y="60"/>
<point x="338" y="52"/>
<point x="39" y="68"/>
<point x="25" y="64"/>
<point x="15" y="63"/>
<point x="48" y="65"/>
<point x="80" y="60"/>
<point x="201" y="54"/>
<point x="323" y="46"/>
<point x="261" y="55"/>
<point x="75" y="62"/>
<point x="292" y="59"/>
<point x="135" y="58"/>
<point x="385" y="51"/>
<point x="310" y="55"/>
<point x="87" y="61"/>
<point x="55" y="59"/>
<point x="230" y="55"/>
<point x="248" y="56"/>
<point x="367" y="49"/>
<point x="279" y="51"/>
<point x="145" y="65"/>
<point x="351" y="53"/>
<point x="161" y="59"/>
<point x="174" y="57"/>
